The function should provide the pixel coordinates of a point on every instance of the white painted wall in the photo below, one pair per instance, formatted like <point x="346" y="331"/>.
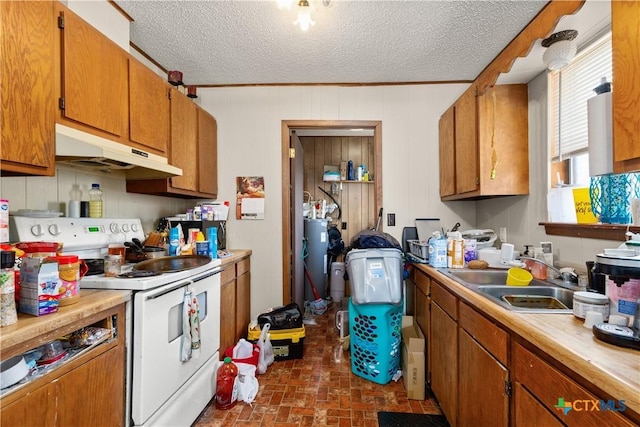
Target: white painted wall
<point x="249" y="143"/>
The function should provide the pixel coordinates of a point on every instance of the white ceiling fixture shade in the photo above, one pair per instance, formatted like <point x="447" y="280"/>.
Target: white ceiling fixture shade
<point x="561" y="48"/>
<point x="304" y="16"/>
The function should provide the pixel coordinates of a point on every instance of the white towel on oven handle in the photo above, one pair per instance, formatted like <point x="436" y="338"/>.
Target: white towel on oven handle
<point x="190" y="326"/>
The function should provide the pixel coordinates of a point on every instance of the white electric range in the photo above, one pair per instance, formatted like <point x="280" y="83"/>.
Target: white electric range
<point x="162" y="390"/>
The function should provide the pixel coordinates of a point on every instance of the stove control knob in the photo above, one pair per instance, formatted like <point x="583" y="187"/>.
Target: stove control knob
<point x="37" y="230"/>
<point x="125" y="228"/>
<point x="114" y="228"/>
<point x="134" y="228"/>
<point x="54" y="229"/>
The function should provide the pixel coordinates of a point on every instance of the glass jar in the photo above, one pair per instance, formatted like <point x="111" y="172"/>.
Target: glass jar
<point x="8" y="313"/>
<point x="112" y="265"/>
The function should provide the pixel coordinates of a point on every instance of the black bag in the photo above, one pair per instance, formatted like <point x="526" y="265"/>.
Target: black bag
<point x="287" y="317"/>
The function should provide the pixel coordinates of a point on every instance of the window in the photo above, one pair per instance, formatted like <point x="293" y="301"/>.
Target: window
<point x="569" y="90"/>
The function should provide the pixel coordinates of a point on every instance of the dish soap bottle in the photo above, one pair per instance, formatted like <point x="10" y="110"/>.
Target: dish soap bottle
<point x="95" y="201"/>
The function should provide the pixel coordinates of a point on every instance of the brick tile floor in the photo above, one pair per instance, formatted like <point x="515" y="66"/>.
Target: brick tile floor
<point x="317" y="390"/>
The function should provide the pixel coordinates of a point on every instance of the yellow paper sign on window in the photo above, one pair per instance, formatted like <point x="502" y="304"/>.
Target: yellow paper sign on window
<point x="582" y="201"/>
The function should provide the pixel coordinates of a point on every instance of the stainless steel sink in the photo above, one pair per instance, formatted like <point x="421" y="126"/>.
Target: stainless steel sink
<point x="483" y="277"/>
<point x="539" y="297"/>
<point x="530" y="299"/>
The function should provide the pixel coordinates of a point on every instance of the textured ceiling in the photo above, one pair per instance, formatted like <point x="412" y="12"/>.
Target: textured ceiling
<point x="228" y="42"/>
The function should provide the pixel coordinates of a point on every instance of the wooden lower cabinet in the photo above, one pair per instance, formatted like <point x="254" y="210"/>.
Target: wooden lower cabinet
<point x="444" y="356"/>
<point x="531" y="413"/>
<point x="550" y="387"/>
<point x="482" y="399"/>
<point x="87" y="390"/>
<point x="235" y="302"/>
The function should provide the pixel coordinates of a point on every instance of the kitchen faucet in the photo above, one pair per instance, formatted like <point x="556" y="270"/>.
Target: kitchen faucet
<point x="569" y="278"/>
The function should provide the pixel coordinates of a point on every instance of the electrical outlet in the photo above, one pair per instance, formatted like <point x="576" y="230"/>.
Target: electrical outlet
<point x="344" y="225"/>
<point x="391" y="220"/>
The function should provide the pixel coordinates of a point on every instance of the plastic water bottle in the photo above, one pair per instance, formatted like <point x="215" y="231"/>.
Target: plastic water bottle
<point x="95" y="201"/>
<point x="226" y="393"/>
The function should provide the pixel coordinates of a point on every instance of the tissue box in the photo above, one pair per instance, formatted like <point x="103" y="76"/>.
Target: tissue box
<point x="413" y="359"/>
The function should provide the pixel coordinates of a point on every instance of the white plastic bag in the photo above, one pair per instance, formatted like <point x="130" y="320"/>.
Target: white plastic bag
<point x="266" y="350"/>
<point x="246" y="382"/>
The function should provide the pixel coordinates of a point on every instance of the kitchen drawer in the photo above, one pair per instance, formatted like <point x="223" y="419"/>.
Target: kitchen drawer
<point x="548" y="385"/>
<point x="243" y="266"/>
<point x="489" y="335"/>
<point x="446" y="300"/>
<point x="228" y="274"/>
<point x="422" y="281"/>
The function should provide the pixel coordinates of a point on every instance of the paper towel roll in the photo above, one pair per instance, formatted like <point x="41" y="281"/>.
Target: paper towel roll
<point x="600" y="134"/>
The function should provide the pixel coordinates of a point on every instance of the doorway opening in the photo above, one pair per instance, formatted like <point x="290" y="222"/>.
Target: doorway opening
<point x="293" y="182"/>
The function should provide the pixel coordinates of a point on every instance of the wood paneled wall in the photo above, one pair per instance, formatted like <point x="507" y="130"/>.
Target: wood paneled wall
<point x="356" y="198"/>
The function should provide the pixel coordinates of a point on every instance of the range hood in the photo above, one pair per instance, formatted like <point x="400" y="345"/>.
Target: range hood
<point x="78" y="148"/>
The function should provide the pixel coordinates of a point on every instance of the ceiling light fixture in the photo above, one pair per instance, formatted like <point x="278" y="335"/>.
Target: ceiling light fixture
<point x="304" y="16"/>
<point x="561" y="48"/>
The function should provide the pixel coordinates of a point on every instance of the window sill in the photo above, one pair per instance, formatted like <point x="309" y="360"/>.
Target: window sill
<point x="589" y="231"/>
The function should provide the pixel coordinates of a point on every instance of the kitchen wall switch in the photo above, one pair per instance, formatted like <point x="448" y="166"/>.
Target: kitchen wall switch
<point x="391" y="220"/>
<point x="344" y="225"/>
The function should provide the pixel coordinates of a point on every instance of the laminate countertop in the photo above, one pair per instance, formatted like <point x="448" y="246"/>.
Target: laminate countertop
<point x="29" y="327"/>
<point x="614" y="370"/>
<point x="235" y="256"/>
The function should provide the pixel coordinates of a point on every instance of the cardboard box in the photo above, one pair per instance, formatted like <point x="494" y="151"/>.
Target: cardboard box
<point x="413" y="359"/>
<point x="39" y="287"/>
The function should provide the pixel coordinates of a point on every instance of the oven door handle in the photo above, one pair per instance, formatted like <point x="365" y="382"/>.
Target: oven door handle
<point x="173" y="286"/>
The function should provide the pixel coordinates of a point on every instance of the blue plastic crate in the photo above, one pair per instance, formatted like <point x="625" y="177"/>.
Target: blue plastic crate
<point x="375" y="337"/>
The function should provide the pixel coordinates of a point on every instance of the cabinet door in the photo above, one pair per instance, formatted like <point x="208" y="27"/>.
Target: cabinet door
<point x="148" y="108"/>
<point x="207" y="153"/>
<point x="529" y="412"/>
<point x="243" y="304"/>
<point x="102" y="379"/>
<point x="466" y="148"/>
<point x="444" y="362"/>
<point x="227" y="311"/>
<point x="447" y="153"/>
<point x="503" y="140"/>
<point x="482" y="375"/>
<point x="184" y="122"/>
<point x="26" y="87"/>
<point x="94" y="77"/>
<point x="422" y="308"/>
<point x="35" y="409"/>
<point x="625" y="22"/>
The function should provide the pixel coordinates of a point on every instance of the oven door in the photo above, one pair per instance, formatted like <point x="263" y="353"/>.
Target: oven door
<point x="158" y="371"/>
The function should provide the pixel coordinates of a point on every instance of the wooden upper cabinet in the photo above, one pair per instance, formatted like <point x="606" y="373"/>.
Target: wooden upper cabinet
<point x="27" y="34"/>
<point x="447" y="153"/>
<point x="148" y="109"/>
<point x="207" y="153"/>
<point x="183" y="152"/>
<point x="466" y="147"/>
<point x="625" y="28"/>
<point x="491" y="144"/>
<point x="94" y="77"/>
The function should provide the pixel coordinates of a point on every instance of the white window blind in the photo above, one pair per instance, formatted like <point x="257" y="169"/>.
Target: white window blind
<point x="570" y="88"/>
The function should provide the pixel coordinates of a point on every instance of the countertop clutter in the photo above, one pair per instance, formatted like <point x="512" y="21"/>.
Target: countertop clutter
<point x="603" y="369"/>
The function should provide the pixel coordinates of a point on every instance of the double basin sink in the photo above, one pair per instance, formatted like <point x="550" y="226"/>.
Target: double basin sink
<point x="539" y="297"/>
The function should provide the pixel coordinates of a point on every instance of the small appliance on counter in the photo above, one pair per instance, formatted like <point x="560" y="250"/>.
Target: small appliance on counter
<point x="622" y="266"/>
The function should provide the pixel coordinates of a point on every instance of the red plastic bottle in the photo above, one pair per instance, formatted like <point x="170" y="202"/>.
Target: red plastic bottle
<point x="225" y="397"/>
